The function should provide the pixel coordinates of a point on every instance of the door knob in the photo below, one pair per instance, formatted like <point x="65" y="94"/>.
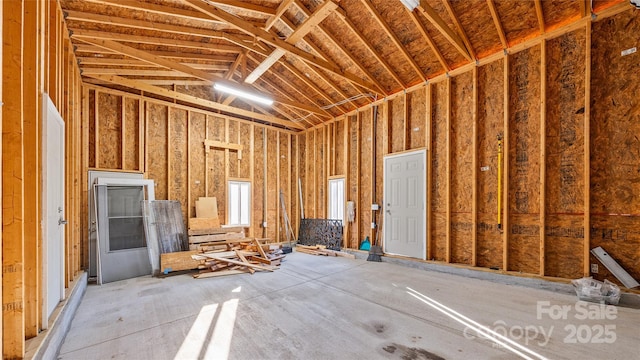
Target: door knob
<point x="62" y="222"/>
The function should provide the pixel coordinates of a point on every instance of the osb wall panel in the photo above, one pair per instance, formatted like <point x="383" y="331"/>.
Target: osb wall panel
<point x="321" y="173"/>
<point x="352" y="193"/>
<point x="157" y="153"/>
<point x="366" y="163"/>
<point x="216" y="165"/>
<point x="244" y="139"/>
<point x="233" y="155"/>
<point x="110" y="131"/>
<point x="272" y="184"/>
<point x="131" y="131"/>
<point x="380" y="152"/>
<point x="396" y="124"/>
<point x="615" y="149"/>
<point x="294" y="211"/>
<point x="178" y="161"/>
<point x="302" y="174"/>
<point x="257" y="214"/>
<point x="284" y="171"/>
<point x="490" y="124"/>
<point x="564" y="202"/>
<point x="197" y="132"/>
<point x="339" y="148"/>
<point x="92" y="129"/>
<point x="524" y="161"/>
<point x="312" y="178"/>
<point x="416" y="128"/>
<point x="440" y="176"/>
<point x="461" y="174"/>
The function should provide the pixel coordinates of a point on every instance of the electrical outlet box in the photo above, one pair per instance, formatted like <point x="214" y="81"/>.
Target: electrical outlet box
<point x="594" y="268"/>
<point x="375" y="207"/>
<point x="373" y="225"/>
<point x="264" y="224"/>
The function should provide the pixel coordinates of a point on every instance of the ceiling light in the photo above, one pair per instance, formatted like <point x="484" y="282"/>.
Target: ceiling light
<point x="242" y="93"/>
<point x="410" y="4"/>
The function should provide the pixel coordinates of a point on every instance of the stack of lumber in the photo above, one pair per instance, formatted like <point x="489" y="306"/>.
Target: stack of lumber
<point x="322" y="251"/>
<point x="243" y="258"/>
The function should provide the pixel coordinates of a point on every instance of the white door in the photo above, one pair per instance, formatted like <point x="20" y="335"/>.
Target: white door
<point x="405" y="200"/>
<point x="53" y="208"/>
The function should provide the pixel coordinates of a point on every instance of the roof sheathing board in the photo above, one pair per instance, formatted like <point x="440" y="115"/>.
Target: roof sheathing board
<point x="367" y="24"/>
<point x="453" y="57"/>
<point x="519" y="20"/>
<point x="475" y="19"/>
<point x="559" y="12"/>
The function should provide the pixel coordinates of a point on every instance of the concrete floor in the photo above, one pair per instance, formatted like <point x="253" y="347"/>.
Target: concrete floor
<point x="336" y="308"/>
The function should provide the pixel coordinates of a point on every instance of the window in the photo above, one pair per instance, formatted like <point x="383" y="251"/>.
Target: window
<point x="336" y="199"/>
<point x="239" y="203"/>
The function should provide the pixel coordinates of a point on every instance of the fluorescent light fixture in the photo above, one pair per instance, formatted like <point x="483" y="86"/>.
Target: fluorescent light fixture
<point x="410" y="4"/>
<point x="243" y="94"/>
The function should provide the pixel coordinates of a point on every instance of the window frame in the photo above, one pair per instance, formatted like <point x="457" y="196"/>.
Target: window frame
<point x="239" y="182"/>
<point x="342" y="180"/>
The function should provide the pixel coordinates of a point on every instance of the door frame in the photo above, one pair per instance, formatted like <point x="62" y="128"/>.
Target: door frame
<point x="385" y="216"/>
<point x="50" y="113"/>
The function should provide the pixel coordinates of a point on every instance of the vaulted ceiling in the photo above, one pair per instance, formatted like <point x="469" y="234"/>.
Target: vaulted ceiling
<point x="317" y="59"/>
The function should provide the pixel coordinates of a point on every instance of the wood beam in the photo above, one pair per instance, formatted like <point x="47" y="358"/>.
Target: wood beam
<point x="13" y="291"/>
<point x="243" y="5"/>
<point x="273" y="40"/>
<point x="145" y="56"/>
<point x="138" y="85"/>
<point x="420" y="26"/>
<point x="312" y="21"/>
<point x="82" y="34"/>
<point x="497" y="23"/>
<point x="543" y="153"/>
<point x="394" y="38"/>
<point x="282" y="8"/>
<point x="425" y="9"/>
<point x="505" y="166"/>
<point x="586" y="246"/>
<point x="459" y="28"/>
<point x="540" y="15"/>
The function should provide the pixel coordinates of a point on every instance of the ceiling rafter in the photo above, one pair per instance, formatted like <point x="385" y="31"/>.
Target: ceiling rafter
<point x="160" y="10"/>
<point x="394" y="38"/>
<point x="428" y="12"/>
<point x="459" y="28"/>
<point x="373" y="52"/>
<point x="243" y="5"/>
<point x="269" y="87"/>
<point x="315" y="48"/>
<point x="92" y="34"/>
<point x="540" y="15"/>
<point x="141" y="86"/>
<point x="269" y="38"/>
<point x="135" y="72"/>
<point x="498" y="24"/>
<point x="282" y="8"/>
<point x="144" y="56"/>
<point x="421" y="28"/>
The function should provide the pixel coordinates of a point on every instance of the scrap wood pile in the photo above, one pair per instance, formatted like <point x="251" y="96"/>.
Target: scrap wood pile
<point x="322" y="251"/>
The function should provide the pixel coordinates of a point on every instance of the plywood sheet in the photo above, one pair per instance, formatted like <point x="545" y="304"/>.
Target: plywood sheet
<point x="110" y="131"/>
<point x="564" y="241"/>
<point x="273" y="188"/>
<point x="244" y="139"/>
<point x="396" y="124"/>
<point x="216" y="165"/>
<point x="157" y="154"/>
<point x="440" y="176"/>
<point x="615" y="149"/>
<point x="417" y="113"/>
<point x="197" y="130"/>
<point x="178" y="156"/>
<point x="258" y="183"/>
<point x="233" y="155"/>
<point x="524" y="243"/>
<point x="131" y="135"/>
<point x="92" y="129"/>
<point x="366" y="163"/>
<point x="524" y="161"/>
<point x="339" y="147"/>
<point x="490" y="125"/>
<point x="461" y="174"/>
